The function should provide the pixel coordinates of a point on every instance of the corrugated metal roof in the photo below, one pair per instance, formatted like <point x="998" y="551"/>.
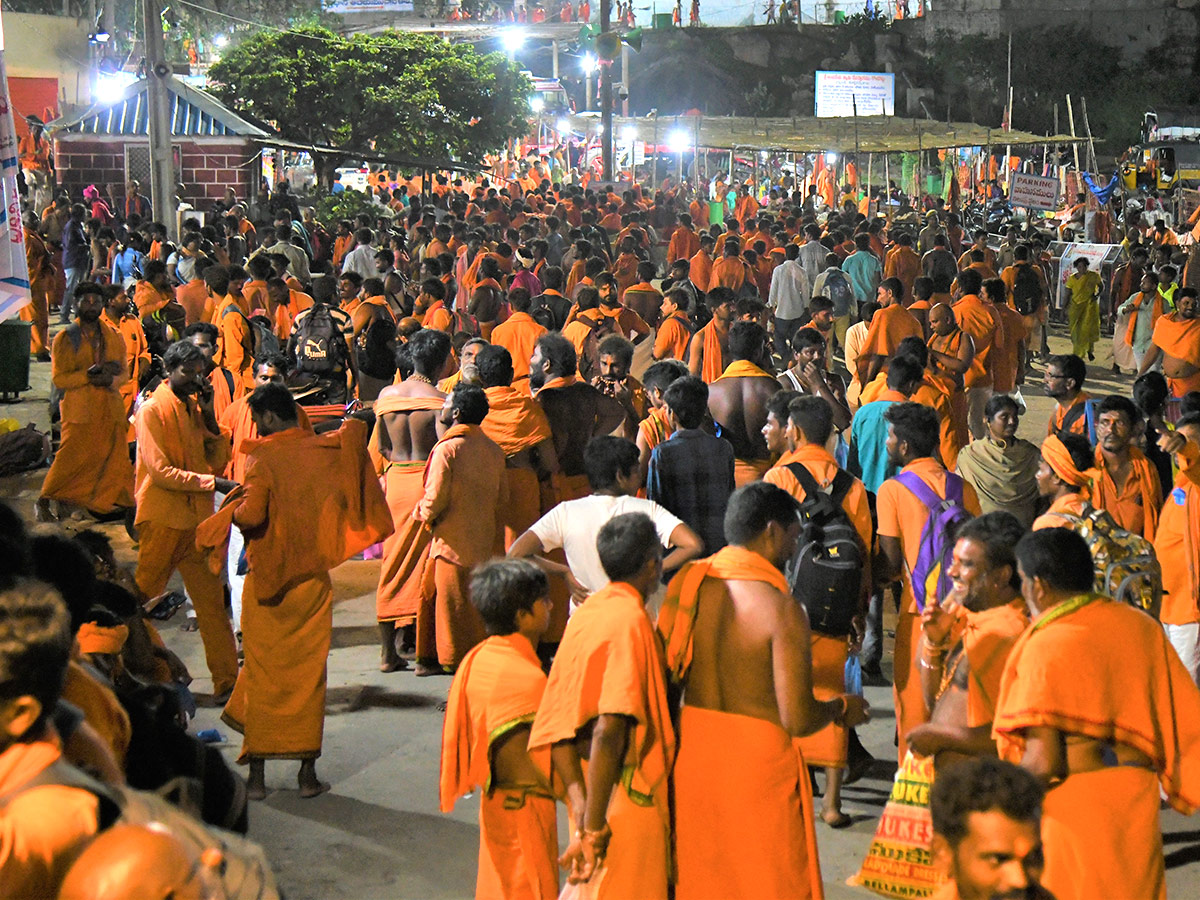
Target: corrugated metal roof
<point x="193" y="113"/>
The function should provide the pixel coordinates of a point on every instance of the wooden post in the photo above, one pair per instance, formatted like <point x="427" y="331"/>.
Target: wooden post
<point x="1093" y="166"/>
<point x="1071" y="120"/>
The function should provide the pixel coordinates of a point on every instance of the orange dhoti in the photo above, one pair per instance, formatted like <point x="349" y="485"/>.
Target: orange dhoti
<point x="37" y="311"/>
<point x="827" y="747"/>
<point x="1102" y="836"/>
<point x="748" y="471"/>
<point x="92" y="467"/>
<point x="447" y="624"/>
<point x="743" y="811"/>
<point x="278" y="704"/>
<point x="406" y="550"/>
<point x="906" y="680"/>
<point x="518" y="846"/>
<point x="524" y="503"/>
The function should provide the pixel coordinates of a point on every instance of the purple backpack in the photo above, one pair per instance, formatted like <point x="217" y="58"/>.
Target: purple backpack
<point x="930" y="576"/>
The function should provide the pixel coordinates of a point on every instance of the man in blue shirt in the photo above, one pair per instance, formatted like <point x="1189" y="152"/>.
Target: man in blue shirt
<point x="691" y="473"/>
<point x="869" y="430"/>
<point x="863" y="268"/>
<point x="77" y="257"/>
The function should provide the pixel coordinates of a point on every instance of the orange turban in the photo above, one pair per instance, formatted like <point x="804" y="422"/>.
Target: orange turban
<point x="93" y="638"/>
<point x="1058" y="458"/>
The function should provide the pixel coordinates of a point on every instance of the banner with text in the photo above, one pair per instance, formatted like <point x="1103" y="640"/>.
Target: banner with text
<point x="344" y="7"/>
<point x="840" y="93"/>
<point x="1033" y="191"/>
<point x="14" y="275"/>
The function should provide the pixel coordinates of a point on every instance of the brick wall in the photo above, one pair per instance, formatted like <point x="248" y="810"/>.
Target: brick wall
<point x="206" y="169"/>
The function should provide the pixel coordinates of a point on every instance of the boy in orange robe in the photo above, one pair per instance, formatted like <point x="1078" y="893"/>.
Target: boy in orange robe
<point x="1097" y="705"/>
<point x="701" y="263"/>
<point x="607" y="689"/>
<point x="91" y="468"/>
<point x="279" y="702"/>
<point x="674" y="329"/>
<point x="518" y="425"/>
<point x="707" y="353"/>
<point x="743" y="801"/>
<point x="519" y="333"/>
<point x="137" y="350"/>
<point x="1176" y="340"/>
<point x="485" y="738"/>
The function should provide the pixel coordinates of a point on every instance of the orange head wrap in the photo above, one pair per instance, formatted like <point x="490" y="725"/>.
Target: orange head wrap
<point x="93" y="638"/>
<point x="1058" y="458"/>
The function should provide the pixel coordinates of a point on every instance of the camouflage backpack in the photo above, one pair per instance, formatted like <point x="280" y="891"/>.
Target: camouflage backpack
<point x="1127" y="568"/>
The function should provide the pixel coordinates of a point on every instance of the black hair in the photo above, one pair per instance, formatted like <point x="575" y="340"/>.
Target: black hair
<point x="1123" y="405"/>
<point x="274" y="398"/>
<point x="1059" y="557"/>
<point x="999" y="533"/>
<point x="606" y="457"/>
<point x="997" y="402"/>
<point x="494" y="366"/>
<point x="616" y="345"/>
<point x="755" y="506"/>
<point x="914" y="424"/>
<point x="664" y="373"/>
<point x="275" y="360"/>
<point x="626" y="543"/>
<point x="429" y="349"/>
<point x="559" y="352"/>
<point x="1150" y="392"/>
<point x="181" y="353"/>
<point x="687" y="399"/>
<point x="501" y="588"/>
<point x="471" y="403"/>
<point x="777" y="405"/>
<point x="803" y="338"/>
<point x="813" y="416"/>
<point x="1072" y="367"/>
<point x="980" y="785"/>
<point x="35" y="642"/>
<point x="904" y="370"/>
<point x="207" y="329"/>
<point x="746" y="340"/>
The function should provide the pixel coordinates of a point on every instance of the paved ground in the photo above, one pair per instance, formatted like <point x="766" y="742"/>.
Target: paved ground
<point x="378" y="834"/>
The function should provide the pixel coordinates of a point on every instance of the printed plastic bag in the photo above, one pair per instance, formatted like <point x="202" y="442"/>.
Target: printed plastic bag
<point x="899" y="862"/>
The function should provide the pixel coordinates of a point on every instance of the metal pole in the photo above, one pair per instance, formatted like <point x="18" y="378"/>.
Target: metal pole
<point x="554" y="58"/>
<point x="625" y="80"/>
<point x="158" y="75"/>
<point x="654" y="156"/>
<point x="1071" y="121"/>
<point x="606" y="110"/>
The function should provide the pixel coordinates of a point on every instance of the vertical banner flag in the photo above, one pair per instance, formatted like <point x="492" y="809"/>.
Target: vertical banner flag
<point x="14" y="276"/>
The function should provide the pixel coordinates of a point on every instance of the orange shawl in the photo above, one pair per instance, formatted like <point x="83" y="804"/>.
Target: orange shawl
<point x="1107" y="672"/>
<point x="988" y="640"/>
<point x="743" y="368"/>
<point x="610" y="662"/>
<point x="1104" y="496"/>
<point x="514" y="421"/>
<point x="497" y="688"/>
<point x="677" y="618"/>
<point x="714" y="356"/>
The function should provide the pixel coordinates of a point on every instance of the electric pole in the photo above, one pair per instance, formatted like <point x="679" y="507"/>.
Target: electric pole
<point x="606" y="98"/>
<point x="158" y="75"/>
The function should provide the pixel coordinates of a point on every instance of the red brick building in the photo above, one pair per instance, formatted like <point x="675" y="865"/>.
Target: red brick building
<point x="109" y="144"/>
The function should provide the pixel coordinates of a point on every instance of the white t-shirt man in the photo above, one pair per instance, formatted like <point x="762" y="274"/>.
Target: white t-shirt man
<point x="574" y="525"/>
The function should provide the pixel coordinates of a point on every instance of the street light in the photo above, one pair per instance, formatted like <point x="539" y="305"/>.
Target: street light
<point x="564" y="126"/>
<point x="831" y="158"/>
<point x="679" y="141"/>
<point x="512" y="39"/>
<point x="629" y="134"/>
<point x="537" y="104"/>
<point x="589" y="63"/>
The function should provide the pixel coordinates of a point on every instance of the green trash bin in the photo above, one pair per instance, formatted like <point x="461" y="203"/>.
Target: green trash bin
<point x="716" y="212"/>
<point x="662" y="20"/>
<point x="14" y="357"/>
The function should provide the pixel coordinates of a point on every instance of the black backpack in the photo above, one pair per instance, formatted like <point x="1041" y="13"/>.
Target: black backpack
<point x="589" y="359"/>
<point x="319" y="345"/>
<point x="377" y="346"/>
<point x="825" y="575"/>
<point x="1027" y="290"/>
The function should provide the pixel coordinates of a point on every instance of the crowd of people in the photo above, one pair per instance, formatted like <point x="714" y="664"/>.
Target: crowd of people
<point x="647" y="590"/>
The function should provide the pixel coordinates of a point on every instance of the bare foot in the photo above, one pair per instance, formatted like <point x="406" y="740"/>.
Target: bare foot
<point x="256" y="784"/>
<point x="42" y="511"/>
<point x="316" y="789"/>
<point x="835" y="818"/>
<point x="428" y="669"/>
<point x="310" y="785"/>
<point x="256" y="791"/>
<point x="396" y="665"/>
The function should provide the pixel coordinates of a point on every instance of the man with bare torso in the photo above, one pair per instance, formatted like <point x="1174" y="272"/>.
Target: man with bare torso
<point x="577" y="411"/>
<point x="406" y="429"/>
<point x="738" y="644"/>
<point x="708" y="350"/>
<point x="738" y="400"/>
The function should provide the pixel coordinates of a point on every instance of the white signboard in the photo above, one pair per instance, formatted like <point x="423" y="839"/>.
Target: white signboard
<point x="1034" y="192"/>
<point x="838" y="93"/>
<point x="344" y="7"/>
<point x="1093" y="253"/>
<point x="14" y="277"/>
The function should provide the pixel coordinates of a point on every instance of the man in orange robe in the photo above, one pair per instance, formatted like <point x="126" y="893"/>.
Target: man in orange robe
<point x="1064" y="476"/>
<point x="492" y="704"/>
<point x="518" y="425"/>
<point x="904" y="264"/>
<point x="1176" y="340"/>
<point x="431" y="306"/>
<point x="40" y="265"/>
<point x="180" y="447"/>
<point x="708" y="353"/>
<point x="194" y="297"/>
<point x="463" y="502"/>
<point x="137" y="350"/>
<point x="284" y="305"/>
<point x="43" y="828"/>
<point x="799" y="432"/>
<point x="607" y="689"/>
<point x="743" y="800"/>
<point x="889" y="326"/>
<point x="406" y="429"/>
<point x="519" y="333"/>
<point x="951" y="352"/>
<point x="966" y="640"/>
<point x="278" y="704"/>
<point x="975" y="317"/>
<point x="902" y="516"/>
<point x="674" y="328"/>
<point x="1177" y="545"/>
<point x="206" y="337"/>
<point x="1126" y="483"/>
<point x="91" y="468"/>
<point x="1097" y="705"/>
<point x="684" y="242"/>
<point x="235" y="349"/>
<point x="701" y="263"/>
<point x="1064" y="379"/>
<point x="730" y="270"/>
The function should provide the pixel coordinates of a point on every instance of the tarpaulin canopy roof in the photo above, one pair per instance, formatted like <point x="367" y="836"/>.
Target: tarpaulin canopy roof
<point x="805" y="134"/>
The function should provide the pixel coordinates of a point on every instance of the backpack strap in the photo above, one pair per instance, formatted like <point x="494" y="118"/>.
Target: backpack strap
<point x="811" y="489"/>
<point x="917" y="486"/>
<point x="842" y="482"/>
<point x="1073" y="415"/>
<point x="228" y="376"/>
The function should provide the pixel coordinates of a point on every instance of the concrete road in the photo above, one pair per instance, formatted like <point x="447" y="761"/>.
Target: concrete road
<point x="378" y="834"/>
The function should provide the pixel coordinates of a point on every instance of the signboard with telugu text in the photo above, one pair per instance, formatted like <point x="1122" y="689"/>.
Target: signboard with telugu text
<point x="1033" y="191"/>
<point x="840" y="93"/>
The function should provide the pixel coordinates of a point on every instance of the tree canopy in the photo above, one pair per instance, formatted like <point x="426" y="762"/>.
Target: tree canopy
<point x="399" y="92"/>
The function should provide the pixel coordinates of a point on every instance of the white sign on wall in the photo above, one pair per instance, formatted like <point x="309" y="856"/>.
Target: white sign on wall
<point x="343" y="7"/>
<point x="1033" y="191"/>
<point x="839" y="93"/>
